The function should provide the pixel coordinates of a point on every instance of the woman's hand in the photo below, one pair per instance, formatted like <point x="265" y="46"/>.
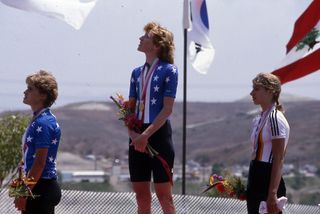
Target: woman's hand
<point x="139" y="141"/>
<point x="20" y="203"/>
<point x="272" y="204"/>
<point x="132" y="134"/>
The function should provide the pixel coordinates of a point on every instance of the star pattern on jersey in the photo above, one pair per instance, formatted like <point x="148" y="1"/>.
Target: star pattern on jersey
<point x="156" y="78"/>
<point x="37" y="137"/>
<point x="174" y="70"/>
<point x="39" y="129"/>
<point x="153" y="101"/>
<point x="156" y="88"/>
<point x="29" y="138"/>
<point x="163" y="83"/>
<point x="51" y="159"/>
<point x="55" y="141"/>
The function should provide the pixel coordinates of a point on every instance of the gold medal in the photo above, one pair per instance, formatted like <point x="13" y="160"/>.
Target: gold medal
<point x="141" y="106"/>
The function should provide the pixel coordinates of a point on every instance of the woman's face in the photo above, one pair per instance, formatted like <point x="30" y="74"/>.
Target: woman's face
<point x="33" y="97"/>
<point x="146" y="44"/>
<point x="260" y="95"/>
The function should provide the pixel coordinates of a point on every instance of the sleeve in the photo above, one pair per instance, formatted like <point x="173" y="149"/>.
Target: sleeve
<point x="278" y="125"/>
<point x="42" y="136"/>
<point x="133" y="85"/>
<point x="171" y="81"/>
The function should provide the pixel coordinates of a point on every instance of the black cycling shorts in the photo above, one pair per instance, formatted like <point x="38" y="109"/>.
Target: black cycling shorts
<point x="141" y="165"/>
<point x="258" y="185"/>
<point x="48" y="195"/>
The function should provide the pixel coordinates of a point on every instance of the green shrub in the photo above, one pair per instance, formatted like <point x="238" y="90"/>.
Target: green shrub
<point x="12" y="128"/>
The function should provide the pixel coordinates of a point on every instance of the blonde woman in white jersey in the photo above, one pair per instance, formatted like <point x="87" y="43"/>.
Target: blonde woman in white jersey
<point x="269" y="138"/>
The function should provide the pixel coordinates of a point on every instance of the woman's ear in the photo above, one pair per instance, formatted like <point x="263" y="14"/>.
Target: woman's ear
<point x="43" y="97"/>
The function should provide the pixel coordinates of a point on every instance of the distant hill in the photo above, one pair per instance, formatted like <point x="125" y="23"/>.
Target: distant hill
<point x="216" y="132"/>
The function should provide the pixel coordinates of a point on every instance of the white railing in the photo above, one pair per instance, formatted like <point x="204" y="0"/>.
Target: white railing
<point x="77" y="202"/>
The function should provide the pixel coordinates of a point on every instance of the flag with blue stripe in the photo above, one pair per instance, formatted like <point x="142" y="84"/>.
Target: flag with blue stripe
<point x="196" y="20"/>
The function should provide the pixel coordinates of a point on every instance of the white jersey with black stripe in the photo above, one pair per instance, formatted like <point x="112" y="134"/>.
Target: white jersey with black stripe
<point x="275" y="127"/>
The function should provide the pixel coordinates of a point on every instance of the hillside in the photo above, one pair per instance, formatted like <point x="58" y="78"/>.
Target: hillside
<point x="216" y="132"/>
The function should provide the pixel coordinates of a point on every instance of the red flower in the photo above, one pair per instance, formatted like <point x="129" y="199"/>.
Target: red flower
<point x="220" y="188"/>
<point x="230" y="186"/>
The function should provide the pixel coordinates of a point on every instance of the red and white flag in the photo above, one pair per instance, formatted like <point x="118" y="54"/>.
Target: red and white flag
<point x="303" y="49"/>
<point x="73" y="12"/>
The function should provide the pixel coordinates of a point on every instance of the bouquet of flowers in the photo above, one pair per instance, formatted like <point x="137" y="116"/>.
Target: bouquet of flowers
<point x="125" y="114"/>
<point x="130" y="120"/>
<point x="18" y="187"/>
<point x="229" y="186"/>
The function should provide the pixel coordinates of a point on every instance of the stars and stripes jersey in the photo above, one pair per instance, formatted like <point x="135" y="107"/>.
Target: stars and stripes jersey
<point x="163" y="83"/>
<point x="43" y="132"/>
<point x="275" y="126"/>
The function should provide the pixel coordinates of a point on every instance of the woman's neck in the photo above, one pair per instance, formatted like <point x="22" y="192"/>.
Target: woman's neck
<point x="266" y="106"/>
<point x="37" y="109"/>
<point x="150" y="58"/>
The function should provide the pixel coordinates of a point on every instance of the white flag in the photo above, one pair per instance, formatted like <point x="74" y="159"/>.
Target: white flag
<point x="73" y="12"/>
<point x="201" y="52"/>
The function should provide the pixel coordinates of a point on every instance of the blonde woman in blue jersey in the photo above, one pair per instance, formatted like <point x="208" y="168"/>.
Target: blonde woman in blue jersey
<point x="40" y="145"/>
<point x="153" y="87"/>
<point x="269" y="138"/>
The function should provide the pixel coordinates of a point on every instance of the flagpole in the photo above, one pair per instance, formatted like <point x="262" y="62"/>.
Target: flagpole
<point x="184" y="121"/>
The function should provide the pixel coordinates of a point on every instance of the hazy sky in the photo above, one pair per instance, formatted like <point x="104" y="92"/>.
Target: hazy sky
<point x="249" y="37"/>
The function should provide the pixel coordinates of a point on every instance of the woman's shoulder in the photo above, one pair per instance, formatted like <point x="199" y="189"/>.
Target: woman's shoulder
<point x="275" y="113"/>
<point x="168" y="67"/>
<point x="138" y="68"/>
<point x="277" y="116"/>
<point x="45" y="118"/>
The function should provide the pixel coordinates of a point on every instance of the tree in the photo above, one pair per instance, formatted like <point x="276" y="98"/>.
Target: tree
<point x="12" y="128"/>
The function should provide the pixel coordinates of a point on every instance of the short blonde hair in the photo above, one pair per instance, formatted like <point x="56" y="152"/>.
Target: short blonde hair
<point x="162" y="38"/>
<point x="46" y="83"/>
<point x="271" y="83"/>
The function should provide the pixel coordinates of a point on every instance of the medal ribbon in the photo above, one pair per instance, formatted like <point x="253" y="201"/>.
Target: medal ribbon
<point x="261" y="123"/>
<point x="145" y="77"/>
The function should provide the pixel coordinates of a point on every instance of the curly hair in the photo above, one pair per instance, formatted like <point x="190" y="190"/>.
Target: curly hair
<point x="271" y="83"/>
<point x="162" y="38"/>
<point x="46" y="83"/>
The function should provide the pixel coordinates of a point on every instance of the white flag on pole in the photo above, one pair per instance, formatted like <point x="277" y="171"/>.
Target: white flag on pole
<point x="73" y="12"/>
<point x="195" y="19"/>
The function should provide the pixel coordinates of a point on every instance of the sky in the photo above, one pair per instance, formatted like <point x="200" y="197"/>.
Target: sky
<point x="96" y="61"/>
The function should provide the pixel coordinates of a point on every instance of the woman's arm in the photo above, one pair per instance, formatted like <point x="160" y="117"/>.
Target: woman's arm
<point x="276" y="173"/>
<point x="141" y="141"/>
<point x="38" y="164"/>
<point x="35" y="172"/>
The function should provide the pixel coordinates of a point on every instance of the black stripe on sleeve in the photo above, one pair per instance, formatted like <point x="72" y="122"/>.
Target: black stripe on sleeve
<point x="274" y="123"/>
